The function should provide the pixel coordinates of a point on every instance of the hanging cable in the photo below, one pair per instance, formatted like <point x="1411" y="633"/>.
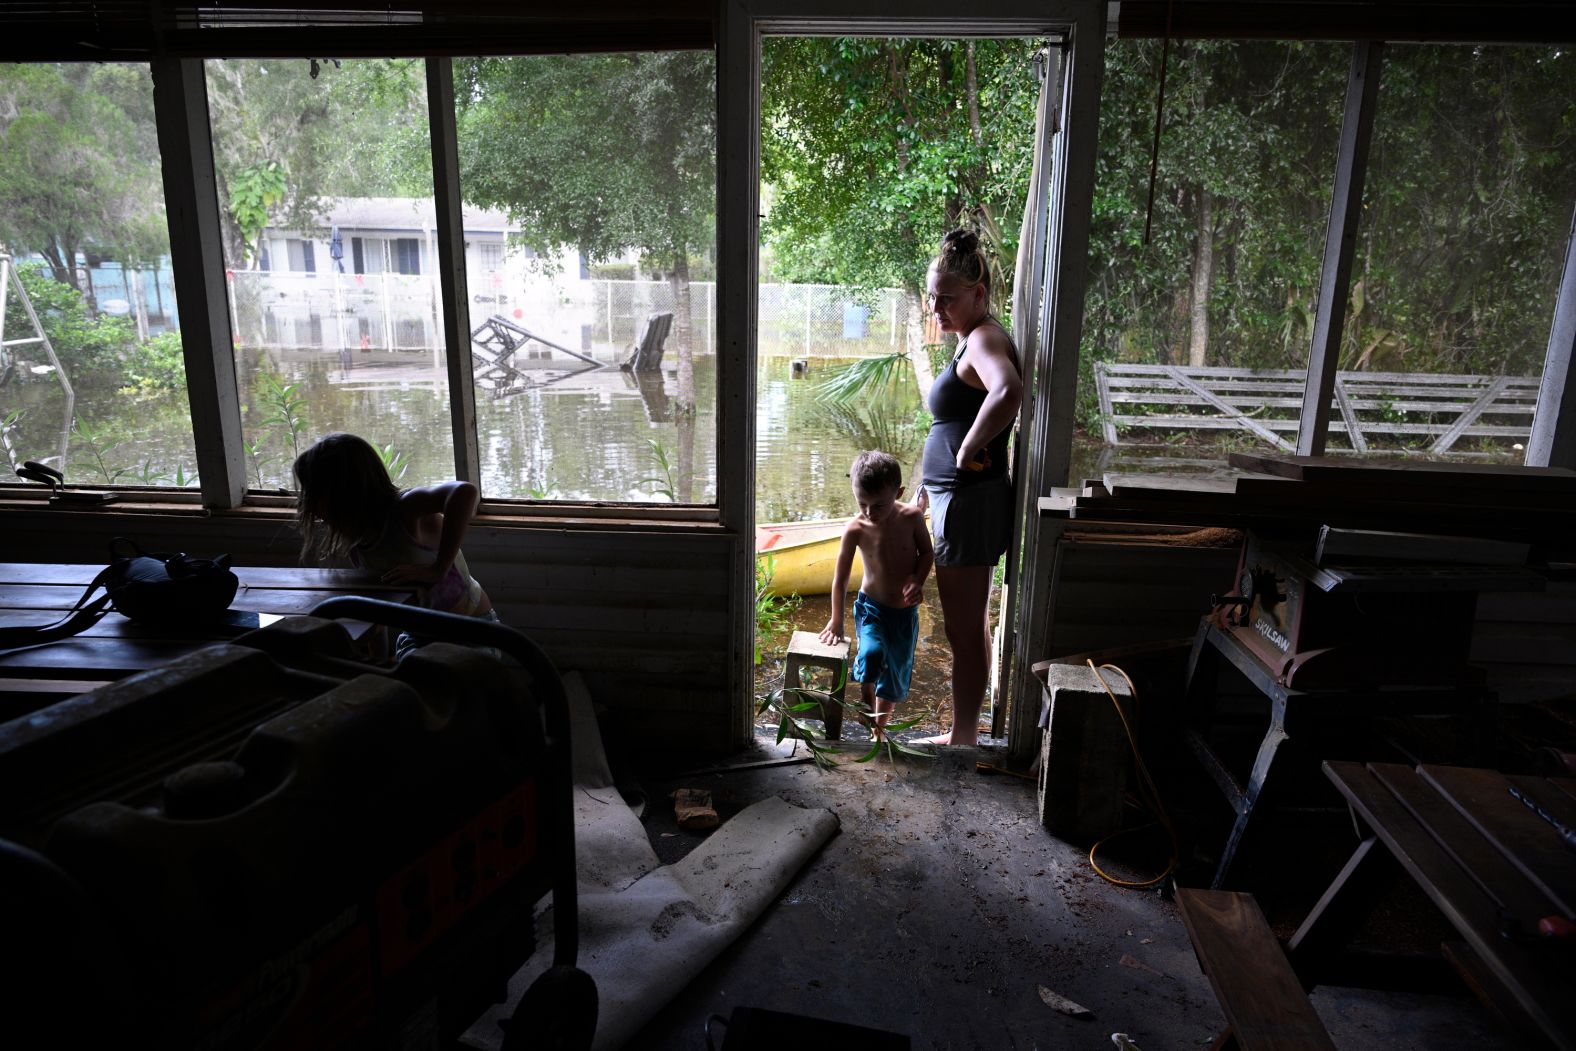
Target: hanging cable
<point x="1148" y="795"/>
<point x="1160" y="106"/>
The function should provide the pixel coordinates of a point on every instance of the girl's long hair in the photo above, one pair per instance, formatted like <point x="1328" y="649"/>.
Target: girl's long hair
<point x="345" y="497"/>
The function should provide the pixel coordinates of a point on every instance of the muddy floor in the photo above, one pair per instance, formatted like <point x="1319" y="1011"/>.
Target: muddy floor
<point x="942" y="909"/>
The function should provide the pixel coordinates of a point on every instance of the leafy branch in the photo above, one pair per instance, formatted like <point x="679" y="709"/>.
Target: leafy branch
<point x="286" y="410"/>
<point x="662" y="486"/>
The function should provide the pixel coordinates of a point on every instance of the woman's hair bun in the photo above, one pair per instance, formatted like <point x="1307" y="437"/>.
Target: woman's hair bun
<point x="960" y="242"/>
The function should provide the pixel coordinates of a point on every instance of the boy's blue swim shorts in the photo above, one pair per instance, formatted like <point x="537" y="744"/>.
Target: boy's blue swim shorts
<point x="887" y="636"/>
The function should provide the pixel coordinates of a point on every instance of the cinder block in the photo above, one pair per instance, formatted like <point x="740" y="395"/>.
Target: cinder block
<point x="1084" y="754"/>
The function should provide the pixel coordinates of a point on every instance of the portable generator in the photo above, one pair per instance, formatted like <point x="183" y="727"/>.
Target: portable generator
<point x="270" y="844"/>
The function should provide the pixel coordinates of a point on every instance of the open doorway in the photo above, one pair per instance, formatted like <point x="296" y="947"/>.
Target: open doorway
<point x="872" y="148"/>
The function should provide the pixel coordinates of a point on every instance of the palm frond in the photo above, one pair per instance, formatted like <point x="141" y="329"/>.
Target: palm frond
<point x="866" y="377"/>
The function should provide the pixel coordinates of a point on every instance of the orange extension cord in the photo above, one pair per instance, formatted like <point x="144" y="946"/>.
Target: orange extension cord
<point x="1146" y="785"/>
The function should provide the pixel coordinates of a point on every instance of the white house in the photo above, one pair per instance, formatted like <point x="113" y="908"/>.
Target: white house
<point x="367" y="277"/>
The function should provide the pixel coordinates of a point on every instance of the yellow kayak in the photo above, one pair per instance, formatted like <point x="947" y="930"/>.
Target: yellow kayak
<point x="804" y="556"/>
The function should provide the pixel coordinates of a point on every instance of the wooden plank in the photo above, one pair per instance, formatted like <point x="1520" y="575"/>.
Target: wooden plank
<point x="1156" y="422"/>
<point x="1354" y="428"/>
<point x="1547" y="607"/>
<point x="1462" y="840"/>
<point x="1483" y="797"/>
<point x="1263" y="1001"/>
<point x="1252" y="396"/>
<point x="1539" y="984"/>
<point x="1393" y="487"/>
<point x="1247" y="422"/>
<point x="1103" y="389"/>
<point x="1403" y="472"/>
<point x="1117" y="370"/>
<point x="1487" y="988"/>
<point x="289" y="602"/>
<point x="1468" y="417"/>
<point x="80" y="574"/>
<point x="89" y="658"/>
<point x="1546" y="644"/>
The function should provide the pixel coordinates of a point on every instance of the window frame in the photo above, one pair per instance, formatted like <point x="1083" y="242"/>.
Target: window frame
<point x="182" y="113"/>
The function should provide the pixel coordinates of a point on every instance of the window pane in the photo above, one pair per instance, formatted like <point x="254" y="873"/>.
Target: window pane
<point x="322" y="167"/>
<point x="589" y="184"/>
<point x="1196" y="343"/>
<point x="82" y="223"/>
<point x="1466" y="209"/>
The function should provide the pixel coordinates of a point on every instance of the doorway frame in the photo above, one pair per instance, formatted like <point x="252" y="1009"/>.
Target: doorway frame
<point x="1045" y="459"/>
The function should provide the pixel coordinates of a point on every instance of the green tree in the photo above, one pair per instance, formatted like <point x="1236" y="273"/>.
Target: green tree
<point x="1466" y="204"/>
<point x="1468" y="199"/>
<point x="79" y="164"/>
<point x="605" y="153"/>
<point x="874" y="148"/>
<point x="290" y="133"/>
<point x="1241" y="192"/>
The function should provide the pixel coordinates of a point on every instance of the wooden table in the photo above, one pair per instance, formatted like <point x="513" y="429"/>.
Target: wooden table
<point x="1491" y="865"/>
<point x="40" y="593"/>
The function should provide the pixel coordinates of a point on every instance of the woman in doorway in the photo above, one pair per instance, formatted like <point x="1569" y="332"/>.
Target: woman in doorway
<point x="964" y="467"/>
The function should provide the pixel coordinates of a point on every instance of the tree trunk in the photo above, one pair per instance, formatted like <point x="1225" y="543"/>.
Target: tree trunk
<point x="138" y="305"/>
<point x="63" y="264"/>
<point x="918" y="353"/>
<point x="1203" y="275"/>
<point x="971" y="84"/>
<point x="678" y="280"/>
<point x="684" y="484"/>
<point x="229" y="230"/>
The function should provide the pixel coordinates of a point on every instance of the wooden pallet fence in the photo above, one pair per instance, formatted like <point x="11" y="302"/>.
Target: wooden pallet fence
<point x="1266" y="403"/>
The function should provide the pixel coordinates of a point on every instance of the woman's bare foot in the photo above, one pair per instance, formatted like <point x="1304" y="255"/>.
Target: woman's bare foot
<point x="946" y="739"/>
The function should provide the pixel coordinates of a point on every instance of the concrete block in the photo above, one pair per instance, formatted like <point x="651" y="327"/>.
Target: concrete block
<point x="1084" y="754"/>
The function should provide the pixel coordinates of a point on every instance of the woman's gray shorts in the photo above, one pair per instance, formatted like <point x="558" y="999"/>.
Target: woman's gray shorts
<point x="971" y="525"/>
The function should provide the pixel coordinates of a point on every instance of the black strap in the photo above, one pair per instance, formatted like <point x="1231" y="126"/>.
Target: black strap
<point x="82" y="615"/>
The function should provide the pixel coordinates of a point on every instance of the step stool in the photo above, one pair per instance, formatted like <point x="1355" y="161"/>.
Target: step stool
<point x="806" y="650"/>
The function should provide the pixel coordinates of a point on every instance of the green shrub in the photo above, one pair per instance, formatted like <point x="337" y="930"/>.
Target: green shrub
<point x="157" y="364"/>
<point x="84" y="344"/>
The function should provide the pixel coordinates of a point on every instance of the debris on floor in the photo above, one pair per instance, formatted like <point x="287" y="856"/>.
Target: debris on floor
<point x="646" y="929"/>
<point x="1064" y="1005"/>
<point x="692" y="807"/>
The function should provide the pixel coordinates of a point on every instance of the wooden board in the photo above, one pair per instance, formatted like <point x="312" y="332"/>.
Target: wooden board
<point x="1382" y="486"/>
<point x="284" y="601"/>
<point x="1408" y="472"/>
<point x="1263" y="1001"/>
<point x="1466" y="843"/>
<point x="1528" y="841"/>
<point x="1539" y="983"/>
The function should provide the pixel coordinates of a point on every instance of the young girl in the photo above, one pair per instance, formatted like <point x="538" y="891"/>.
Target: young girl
<point x="349" y="508"/>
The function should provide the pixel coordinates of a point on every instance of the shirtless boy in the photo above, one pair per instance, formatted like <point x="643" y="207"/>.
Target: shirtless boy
<point x="894" y="543"/>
